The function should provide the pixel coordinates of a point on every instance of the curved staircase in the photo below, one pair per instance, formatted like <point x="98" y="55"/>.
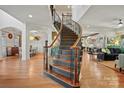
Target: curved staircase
<point x="63" y="65"/>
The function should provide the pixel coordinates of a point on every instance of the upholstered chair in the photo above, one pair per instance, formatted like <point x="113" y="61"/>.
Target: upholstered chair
<point x="120" y="62"/>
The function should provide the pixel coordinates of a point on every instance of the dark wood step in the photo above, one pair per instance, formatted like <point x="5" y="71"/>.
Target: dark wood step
<point x="68" y="33"/>
<point x="68" y="61"/>
<point x="64" y="68"/>
<point x="66" y="57"/>
<point x="66" y="82"/>
<point x="66" y="42"/>
<point x="63" y="63"/>
<point x="68" y="39"/>
<point x="64" y="47"/>
<point x="66" y="50"/>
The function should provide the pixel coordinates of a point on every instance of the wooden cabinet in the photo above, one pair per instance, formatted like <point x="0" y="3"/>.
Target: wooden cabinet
<point x="12" y="51"/>
<point x="15" y="50"/>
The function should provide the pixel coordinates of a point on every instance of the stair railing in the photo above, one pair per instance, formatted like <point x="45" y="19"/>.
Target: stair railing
<point x="76" y="49"/>
<point x="58" y="24"/>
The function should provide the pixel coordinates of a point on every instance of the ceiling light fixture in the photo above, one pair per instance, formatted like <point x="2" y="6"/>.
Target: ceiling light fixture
<point x="120" y="24"/>
<point x="88" y="26"/>
<point x="30" y="16"/>
<point x="33" y="31"/>
<point x="69" y="6"/>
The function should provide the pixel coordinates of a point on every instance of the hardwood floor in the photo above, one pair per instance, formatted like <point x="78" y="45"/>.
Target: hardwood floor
<point x="96" y="75"/>
<point x="110" y="64"/>
<point x="14" y="73"/>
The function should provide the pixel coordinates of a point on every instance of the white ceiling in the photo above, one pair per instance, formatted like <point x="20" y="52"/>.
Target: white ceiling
<point x="41" y="14"/>
<point x="103" y="16"/>
<point x="63" y="9"/>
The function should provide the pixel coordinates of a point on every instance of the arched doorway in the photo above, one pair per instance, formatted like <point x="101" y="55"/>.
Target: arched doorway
<point x="10" y="42"/>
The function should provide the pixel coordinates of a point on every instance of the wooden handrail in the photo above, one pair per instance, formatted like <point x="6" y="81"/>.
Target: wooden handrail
<point x="59" y="32"/>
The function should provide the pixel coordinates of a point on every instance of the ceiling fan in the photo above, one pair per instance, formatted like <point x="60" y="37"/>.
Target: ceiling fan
<point x="117" y="23"/>
<point x="120" y="24"/>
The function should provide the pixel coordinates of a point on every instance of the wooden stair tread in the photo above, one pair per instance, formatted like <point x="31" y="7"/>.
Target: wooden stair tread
<point x="68" y="80"/>
<point x="61" y="67"/>
<point x="66" y="34"/>
<point x="65" y="55"/>
<point x="65" y="46"/>
<point x="69" y="55"/>
<point x="69" y="39"/>
<point x="68" y="61"/>
<point x="66" y="50"/>
<point x="63" y="78"/>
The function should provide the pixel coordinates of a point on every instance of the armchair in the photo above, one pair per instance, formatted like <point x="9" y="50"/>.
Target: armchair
<point x="120" y="62"/>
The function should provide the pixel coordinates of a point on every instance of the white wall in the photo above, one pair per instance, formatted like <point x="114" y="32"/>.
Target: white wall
<point x="45" y="34"/>
<point x="120" y="30"/>
<point x="103" y="33"/>
<point x="9" y="21"/>
<point x="78" y="11"/>
<point x="1" y="44"/>
<point x="39" y="43"/>
<point x="44" y="37"/>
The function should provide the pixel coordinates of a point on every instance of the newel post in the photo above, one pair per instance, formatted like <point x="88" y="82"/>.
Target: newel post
<point x="76" y="64"/>
<point x="46" y="55"/>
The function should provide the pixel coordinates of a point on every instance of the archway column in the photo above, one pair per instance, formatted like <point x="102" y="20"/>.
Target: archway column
<point x="1" y="44"/>
<point x="25" y="45"/>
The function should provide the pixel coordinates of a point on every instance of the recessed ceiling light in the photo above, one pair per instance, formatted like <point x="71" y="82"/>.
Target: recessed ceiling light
<point x="30" y="16"/>
<point x="33" y="31"/>
<point x="69" y="6"/>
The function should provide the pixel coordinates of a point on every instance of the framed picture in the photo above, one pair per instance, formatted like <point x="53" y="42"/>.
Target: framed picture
<point x="10" y="36"/>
